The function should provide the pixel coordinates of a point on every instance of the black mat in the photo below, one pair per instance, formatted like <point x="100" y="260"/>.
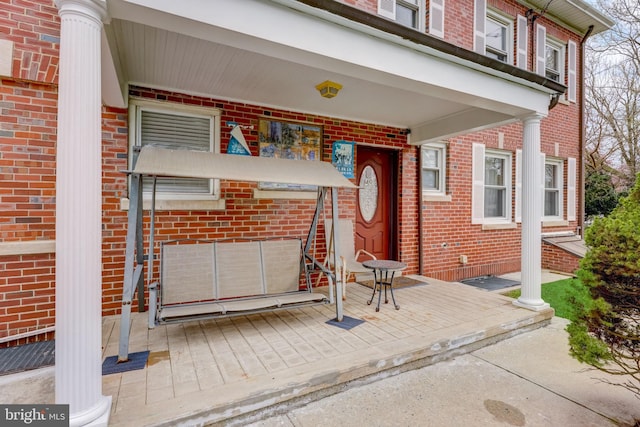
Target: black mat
<point x="347" y="322"/>
<point x="490" y="283"/>
<point x="27" y="356"/>
<point x="136" y="361"/>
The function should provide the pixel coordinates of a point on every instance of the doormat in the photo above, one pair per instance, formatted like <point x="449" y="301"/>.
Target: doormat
<point x="136" y="361"/>
<point x="347" y="322"/>
<point x="27" y="357"/>
<point x="490" y="283"/>
<point x="398" y="282"/>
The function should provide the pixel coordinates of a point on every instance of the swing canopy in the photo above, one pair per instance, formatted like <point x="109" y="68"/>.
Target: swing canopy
<point x="154" y="161"/>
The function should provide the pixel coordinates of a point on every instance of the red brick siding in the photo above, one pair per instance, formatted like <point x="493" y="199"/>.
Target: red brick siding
<point x="34" y="27"/>
<point x="27" y="295"/>
<point x="244" y="216"/>
<point x="554" y="258"/>
<point x="27" y="160"/>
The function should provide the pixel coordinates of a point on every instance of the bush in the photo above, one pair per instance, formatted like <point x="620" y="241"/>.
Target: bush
<point x="607" y="328"/>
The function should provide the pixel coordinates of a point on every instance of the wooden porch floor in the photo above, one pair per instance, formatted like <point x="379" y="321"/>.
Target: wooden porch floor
<point x="209" y="371"/>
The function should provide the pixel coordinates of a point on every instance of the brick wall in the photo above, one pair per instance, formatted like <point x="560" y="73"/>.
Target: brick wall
<point x="554" y="258"/>
<point x="244" y="215"/>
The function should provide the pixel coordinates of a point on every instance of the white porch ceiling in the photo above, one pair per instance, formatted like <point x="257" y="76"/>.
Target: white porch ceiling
<point x="260" y="52"/>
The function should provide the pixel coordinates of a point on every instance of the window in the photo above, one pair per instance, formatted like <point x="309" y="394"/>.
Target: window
<point x="433" y="169"/>
<point x="554" y="61"/>
<point x="181" y="127"/>
<point x="491" y="190"/>
<point x="498" y="37"/>
<point x="497" y="184"/>
<point x="553" y="184"/>
<point x="406" y="12"/>
<point x="552" y="187"/>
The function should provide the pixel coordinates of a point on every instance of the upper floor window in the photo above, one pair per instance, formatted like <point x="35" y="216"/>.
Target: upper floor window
<point x="550" y="59"/>
<point x="554" y="61"/>
<point x="406" y="12"/>
<point x="498" y="37"/>
<point x="178" y="127"/>
<point x="433" y="168"/>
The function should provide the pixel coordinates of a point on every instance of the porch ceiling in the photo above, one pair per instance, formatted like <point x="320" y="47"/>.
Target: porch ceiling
<point x="267" y="54"/>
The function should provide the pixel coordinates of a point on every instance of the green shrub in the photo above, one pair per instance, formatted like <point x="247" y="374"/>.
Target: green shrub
<point x="607" y="327"/>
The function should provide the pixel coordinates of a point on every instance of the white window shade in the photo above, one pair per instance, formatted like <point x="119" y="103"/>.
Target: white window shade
<point x="175" y="130"/>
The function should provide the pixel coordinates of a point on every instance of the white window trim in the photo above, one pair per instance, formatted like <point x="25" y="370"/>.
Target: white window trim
<point x="171" y="201"/>
<point x="442" y="184"/>
<point x="508" y="159"/>
<point x="507" y="21"/>
<point x="571" y="188"/>
<point x="436" y="28"/>
<point x="479" y="154"/>
<point x="572" y="67"/>
<point x="388" y="9"/>
<point x="522" y="42"/>
<point x="479" y="25"/>
<point x="559" y="163"/>
<point x="562" y="50"/>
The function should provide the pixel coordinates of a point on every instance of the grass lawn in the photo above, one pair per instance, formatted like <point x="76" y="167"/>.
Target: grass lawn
<point x="559" y="295"/>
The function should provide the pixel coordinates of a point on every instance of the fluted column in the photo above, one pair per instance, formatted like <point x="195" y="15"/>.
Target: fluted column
<point x="532" y="205"/>
<point x="78" y="215"/>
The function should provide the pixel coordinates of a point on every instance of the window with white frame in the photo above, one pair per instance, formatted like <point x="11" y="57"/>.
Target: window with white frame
<point x="491" y="187"/>
<point x="434" y="168"/>
<point x="497" y="186"/>
<point x="553" y="184"/>
<point x="553" y="188"/>
<point x="498" y="36"/>
<point x="406" y="12"/>
<point x="554" y="60"/>
<point x="178" y="127"/>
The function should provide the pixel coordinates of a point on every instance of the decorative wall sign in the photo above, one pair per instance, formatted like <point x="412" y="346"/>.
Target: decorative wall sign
<point x="237" y="143"/>
<point x="289" y="140"/>
<point x="342" y="158"/>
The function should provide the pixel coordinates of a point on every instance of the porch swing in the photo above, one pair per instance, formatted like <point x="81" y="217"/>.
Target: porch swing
<point x="201" y="279"/>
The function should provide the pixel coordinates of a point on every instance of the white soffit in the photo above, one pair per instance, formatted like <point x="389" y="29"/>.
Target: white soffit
<point x="154" y="161"/>
<point x="240" y="51"/>
<point x="572" y="13"/>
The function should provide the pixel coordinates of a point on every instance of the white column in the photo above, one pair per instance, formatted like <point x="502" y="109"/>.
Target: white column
<point x="78" y="369"/>
<point x="532" y="204"/>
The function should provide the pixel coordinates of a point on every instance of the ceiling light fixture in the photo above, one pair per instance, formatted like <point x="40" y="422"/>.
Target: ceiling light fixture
<point x="328" y="89"/>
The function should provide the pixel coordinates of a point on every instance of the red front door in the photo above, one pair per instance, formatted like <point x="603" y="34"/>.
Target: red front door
<point x="376" y="202"/>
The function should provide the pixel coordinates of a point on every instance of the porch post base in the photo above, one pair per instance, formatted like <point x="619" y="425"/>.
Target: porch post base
<point x="532" y="305"/>
<point x="98" y="416"/>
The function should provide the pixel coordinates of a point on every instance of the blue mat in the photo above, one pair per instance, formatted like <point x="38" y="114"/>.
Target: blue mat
<point x="136" y="361"/>
<point x="347" y="322"/>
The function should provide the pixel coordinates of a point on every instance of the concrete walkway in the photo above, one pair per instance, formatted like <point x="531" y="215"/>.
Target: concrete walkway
<point x="528" y="380"/>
